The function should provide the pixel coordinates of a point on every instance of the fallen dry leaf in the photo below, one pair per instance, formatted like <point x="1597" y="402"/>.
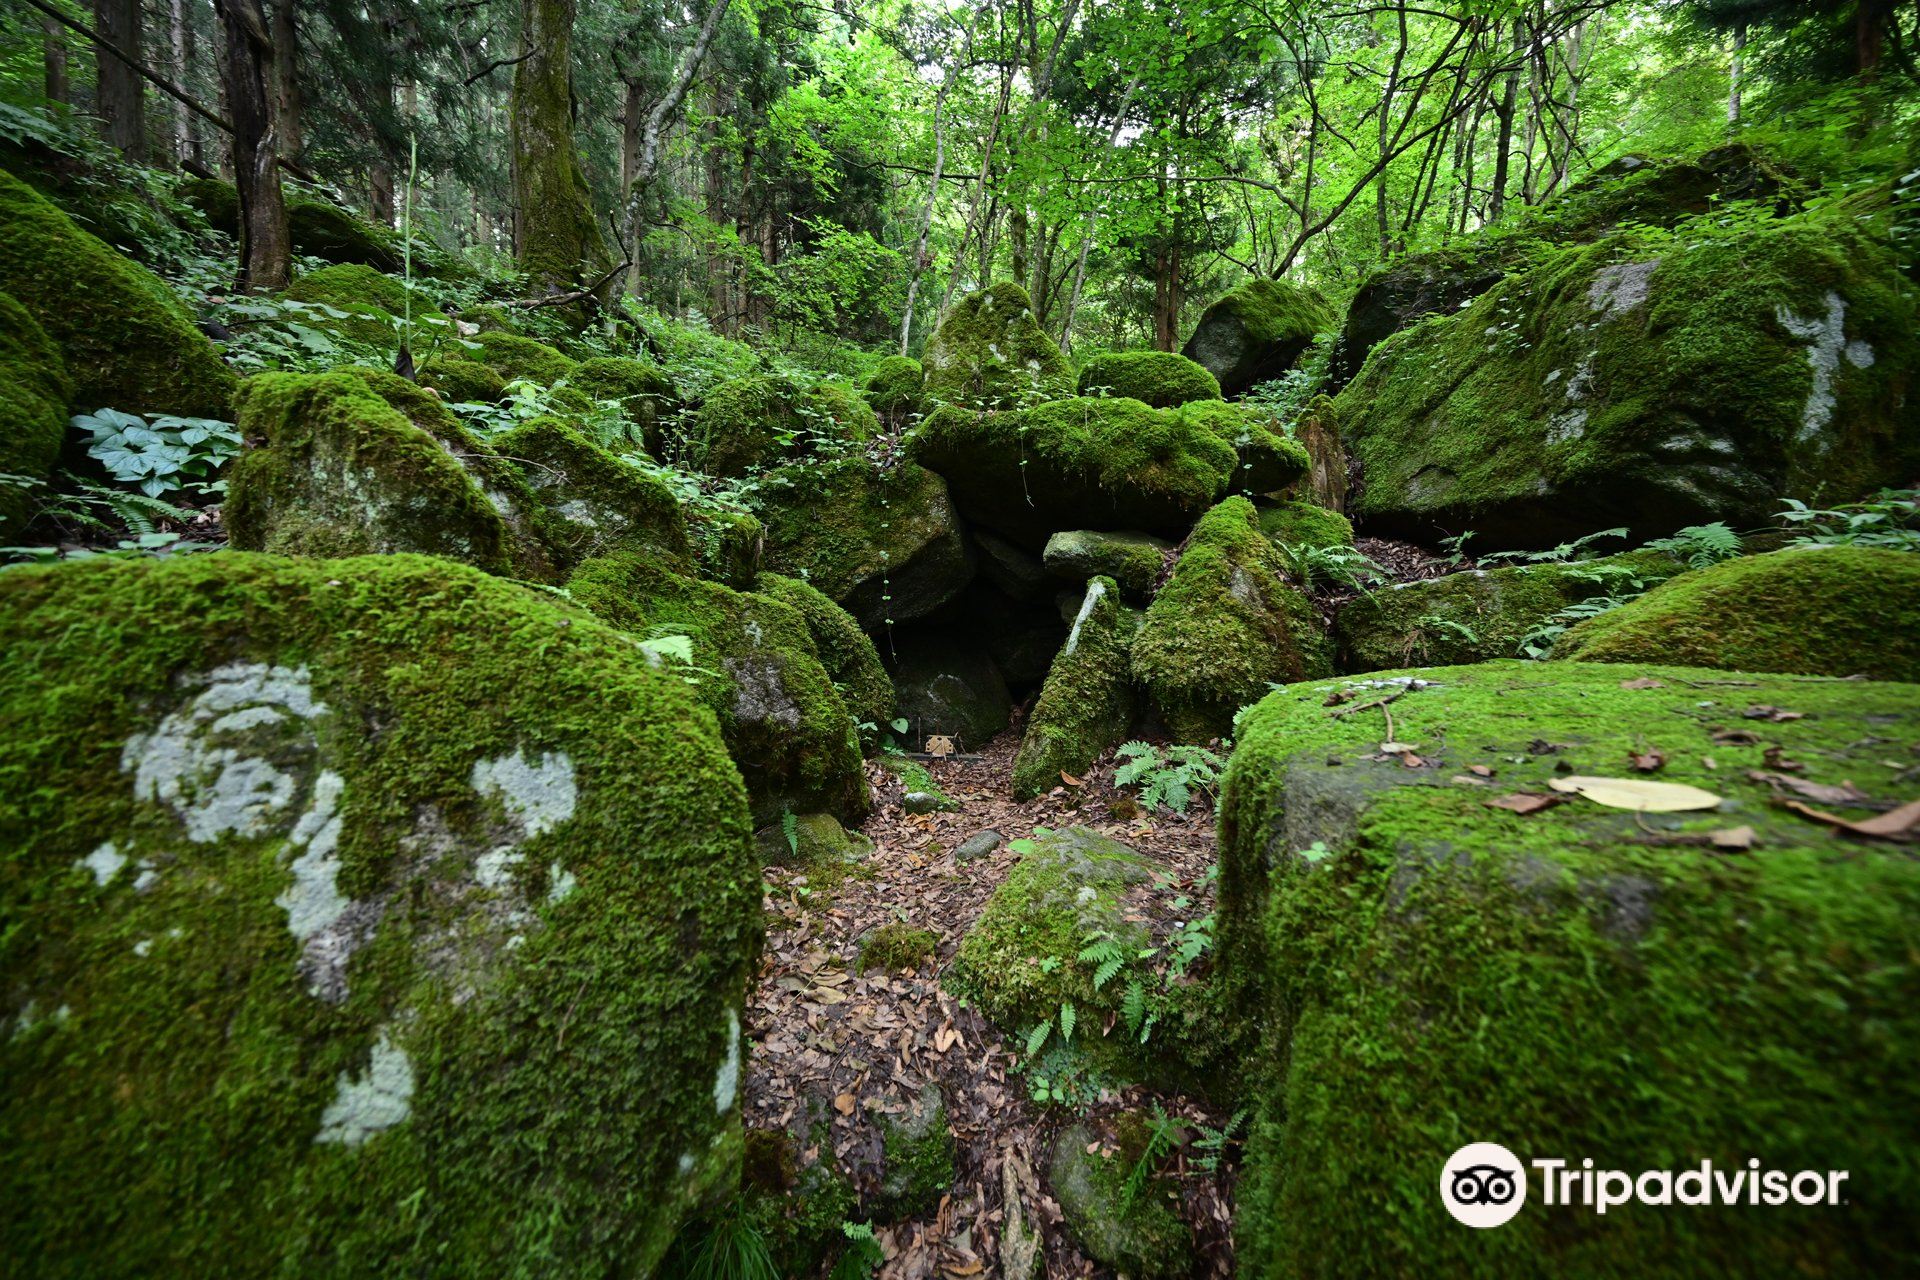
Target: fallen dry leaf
<point x="1070" y="780"/>
<point x="1825" y="793"/>
<point x="1643" y="682"/>
<point x="1480" y="770"/>
<point x="1776" y="758"/>
<point x="1896" y="824"/>
<point x="1732" y="838"/>
<point x="1651" y="760"/>
<point x="1525" y="802"/>
<point x="1640" y="795"/>
<point x="844" y="1104"/>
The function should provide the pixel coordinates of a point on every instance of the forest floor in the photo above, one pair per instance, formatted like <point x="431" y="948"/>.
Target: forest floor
<point x="829" y="1040"/>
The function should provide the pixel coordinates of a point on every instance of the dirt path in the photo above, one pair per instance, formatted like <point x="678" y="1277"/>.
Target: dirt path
<point x="855" y="1048"/>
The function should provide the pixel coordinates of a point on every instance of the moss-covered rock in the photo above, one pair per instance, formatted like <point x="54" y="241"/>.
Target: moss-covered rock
<point x="1576" y="982"/>
<point x="646" y="395"/>
<point x="893" y="390"/>
<point x="755" y="661"/>
<point x="1318" y="432"/>
<point x="324" y="880"/>
<point x="1305" y="524"/>
<point x="811" y="841"/>
<point x="128" y="342"/>
<point x="1133" y="560"/>
<point x="799" y="1211"/>
<point x="1160" y="379"/>
<point x="1649" y="382"/>
<point x="1482" y="614"/>
<point x="34" y="389"/>
<point x="729" y="545"/>
<point x="883" y="542"/>
<point x="370" y="305"/>
<point x="848" y="655"/>
<point x="1014" y="571"/>
<point x="1225" y="626"/>
<point x="990" y="353"/>
<point x="462" y="381"/>
<point x="1269" y="459"/>
<point x="1088" y="702"/>
<point x="216" y="199"/>
<point x="1824" y="611"/>
<point x="321" y="229"/>
<point x="598" y="504"/>
<point x="897" y="948"/>
<point x="944" y="688"/>
<point x="519" y="359"/>
<point x="1254" y="332"/>
<point x="762" y="420"/>
<point x="1139" y="1234"/>
<point x="919" y="793"/>
<point x="917" y="1156"/>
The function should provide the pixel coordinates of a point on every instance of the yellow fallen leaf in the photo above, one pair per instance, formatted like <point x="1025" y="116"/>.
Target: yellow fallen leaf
<point x="1642" y="795"/>
<point x="844" y="1104"/>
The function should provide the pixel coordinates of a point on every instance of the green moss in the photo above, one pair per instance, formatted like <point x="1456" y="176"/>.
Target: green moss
<point x="728" y="544"/>
<point x="523" y="359"/>
<point x="897" y="948"/>
<point x="1269" y="459"/>
<point x="1162" y="379"/>
<point x="217" y="200"/>
<point x="462" y="381"/>
<point x="349" y="284"/>
<point x="919" y="793"/>
<point x="1831" y="611"/>
<point x="1133" y="560"/>
<point x="1304" y="524"/>
<point x="597" y="503"/>
<point x="783" y="720"/>
<point x="1224" y="627"/>
<point x="34" y="388"/>
<point x="990" y="353"/>
<point x="758" y="421"/>
<point x="324" y="230"/>
<point x="1572" y="983"/>
<point x="1255" y="331"/>
<point x="646" y="395"/>
<point x="172" y="1048"/>
<point x="848" y="655"/>
<point x="917" y="1151"/>
<point x="816" y="844"/>
<point x="1136" y="1234"/>
<point x="128" y="342"/>
<point x="1087" y="703"/>
<point x="800" y="1218"/>
<point x="373" y="304"/>
<point x="893" y="390"/>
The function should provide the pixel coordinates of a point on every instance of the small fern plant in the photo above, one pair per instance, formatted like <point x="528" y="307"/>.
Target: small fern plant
<point x="1169" y="778"/>
<point x="1700" y="545"/>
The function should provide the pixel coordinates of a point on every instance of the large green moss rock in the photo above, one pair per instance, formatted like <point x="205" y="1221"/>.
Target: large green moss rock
<point x="1254" y="332"/>
<point x="990" y="353"/>
<point x="645" y="394"/>
<point x="370" y="305"/>
<point x="946" y="688"/>
<point x="1646" y="381"/>
<point x="850" y="659"/>
<point x="1576" y="983"/>
<point x="1088" y="701"/>
<point x="128" y="342"/>
<point x="367" y="914"/>
<point x="756" y="666"/>
<point x="1824" y="611"/>
<point x="1482" y="614"/>
<point x="893" y="390"/>
<point x="522" y="359"/>
<point x="729" y="544"/>
<point x="1161" y="379"/>
<point x="1225" y="626"/>
<point x="1305" y="524"/>
<point x="319" y="229"/>
<point x="459" y="380"/>
<point x="882" y="541"/>
<point x="34" y="389"/>
<point x="1133" y="560"/>
<point x="597" y="504"/>
<point x="765" y="419"/>
<point x="1137" y="1233"/>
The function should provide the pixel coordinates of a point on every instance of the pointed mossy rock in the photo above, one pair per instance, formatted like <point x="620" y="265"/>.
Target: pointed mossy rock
<point x="1088" y="702"/>
<point x="521" y="359"/>
<point x="1576" y="982"/>
<point x="1139" y="1234"/>
<point x="1092" y="463"/>
<point x="1225" y="626"/>
<point x="1300" y="523"/>
<point x="359" y="461"/>
<point x="990" y="353"/>
<point x="645" y="395"/>
<point x="881" y="541"/>
<point x="1819" y="611"/>
<point x="1646" y="382"/>
<point x="338" y="885"/>
<point x="461" y="381"/>
<point x="917" y="1154"/>
<point x="1317" y="430"/>
<point x="893" y="390"/>
<point x="1159" y="379"/>
<point x="764" y="420"/>
<point x="946" y="688"/>
<point x="1480" y="615"/>
<point x="1133" y="560"/>
<point x="596" y="503"/>
<point x="756" y="665"/>
<point x="1269" y="460"/>
<point x="850" y="659"/>
<point x="34" y="389"/>
<point x="1255" y="331"/>
<point x="128" y="341"/>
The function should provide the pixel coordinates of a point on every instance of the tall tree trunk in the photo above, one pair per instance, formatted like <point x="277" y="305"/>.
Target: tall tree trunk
<point x="266" y="249"/>
<point x="122" y="96"/>
<point x="1503" y="135"/>
<point x="53" y="59"/>
<point x="980" y="187"/>
<point x="917" y="264"/>
<point x="1733" y="74"/>
<point x="1386" y="112"/>
<point x="180" y="44"/>
<point x="288" y="108"/>
<point x="557" y="239"/>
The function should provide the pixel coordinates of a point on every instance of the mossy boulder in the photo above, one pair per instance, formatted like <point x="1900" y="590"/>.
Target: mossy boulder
<point x="1482" y="614"/>
<point x="811" y="841"/>
<point x="757" y="668"/>
<point x="917" y="1156"/>
<point x="1225" y="626"/>
<point x="1580" y="981"/>
<point x="355" y="302"/>
<point x="1648" y="382"/>
<point x="645" y="394"/>
<point x="1016" y="572"/>
<point x="990" y="353"/>
<point x="597" y="504"/>
<point x="1305" y="524"/>
<point x="850" y="659"/>
<point x="461" y="381"/>
<point x="893" y="390"/>
<point x="799" y="1211"/>
<point x="919" y="793"/>
<point x="128" y="342"/>
<point x="216" y="199"/>
<point x="946" y="688"/>
<point x="34" y="389"/>
<point x="324" y="881"/>
<point x="1137" y="1234"/>
<point x="764" y="420"/>
<point x="521" y="359"/>
<point x="1269" y="460"/>
<point x="1088" y="702"/>
<point x="882" y="541"/>
<point x="729" y="545"/>
<point x="1161" y="379"/>
<point x="1318" y="432"/>
<point x="1133" y="560"/>
<point x="324" y="230"/>
<point x="1823" y="611"/>
<point x="1255" y="331"/>
<point x="357" y="462"/>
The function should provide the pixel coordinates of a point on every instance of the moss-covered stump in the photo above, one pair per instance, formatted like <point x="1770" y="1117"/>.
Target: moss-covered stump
<point x="1577" y="982"/>
<point x="990" y="353"/>
<point x="1305" y="524"/>
<point x="1225" y="626"/>
<point x="34" y="389"/>
<point x="1088" y="701"/>
<point x="128" y="342"/>
<point x="461" y="381"/>
<point x="1161" y="379"/>
<point x="597" y="504"/>
<point x="357" y="462"/>
<point x="850" y="659"/>
<point x="945" y="688"/>
<point x="1827" y="611"/>
<point x="370" y="306"/>
<point x="811" y="841"/>
<point x="645" y="394"/>
<point x="1255" y="331"/>
<point x="1133" y="560"/>
<point x="1643" y="382"/>
<point x="1140" y="1236"/>
<point x="324" y="881"/>
<point x="763" y="420"/>
<point x="893" y="390"/>
<point x="521" y="359"/>
<point x="756" y="666"/>
<point x="883" y="542"/>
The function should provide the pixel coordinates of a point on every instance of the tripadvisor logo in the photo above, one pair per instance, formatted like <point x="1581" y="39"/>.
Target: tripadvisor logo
<point x="1484" y="1185"/>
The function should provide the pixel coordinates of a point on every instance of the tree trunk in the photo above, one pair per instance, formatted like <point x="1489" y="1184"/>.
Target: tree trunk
<point x="53" y="58"/>
<point x="1503" y="135"/>
<point x="1733" y="74"/>
<point x="1386" y="111"/>
<point x="122" y="100"/>
<point x="917" y="264"/>
<point x="287" y="102"/>
<point x="557" y="239"/>
<point x="266" y="248"/>
<point x="180" y="43"/>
